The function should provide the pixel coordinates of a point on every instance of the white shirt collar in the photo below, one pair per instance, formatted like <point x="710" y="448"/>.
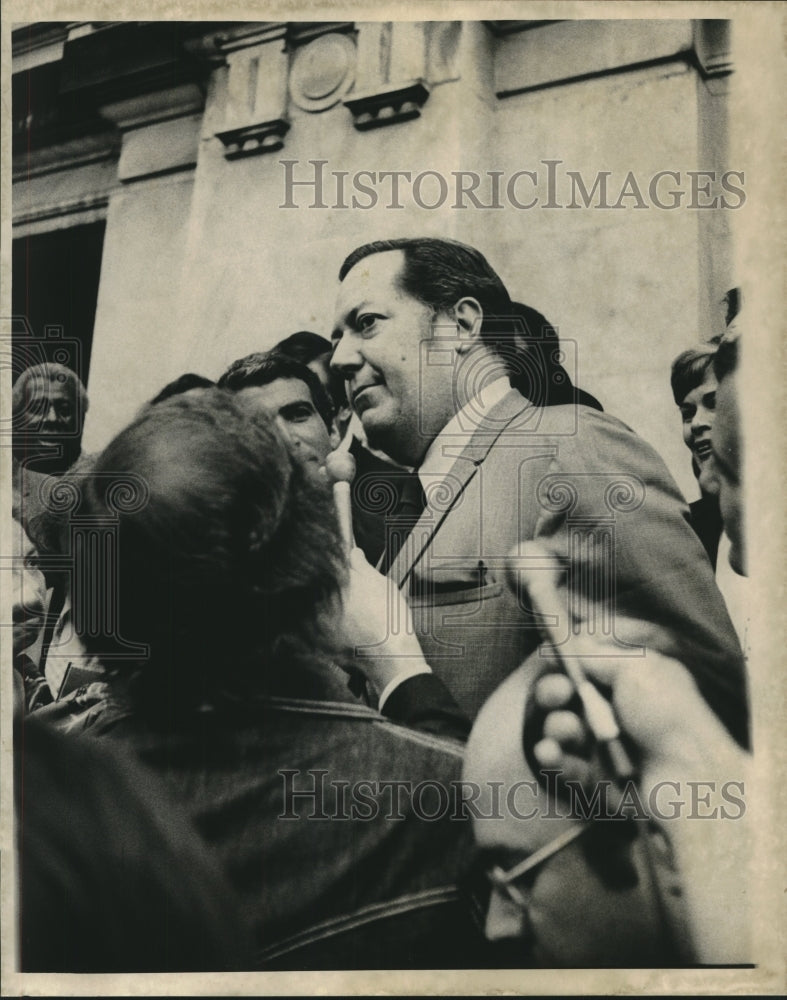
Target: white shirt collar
<point x="459" y="430"/>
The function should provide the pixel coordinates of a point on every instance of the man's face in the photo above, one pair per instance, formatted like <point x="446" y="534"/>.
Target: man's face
<point x="403" y="404"/>
<point x="727" y="461"/>
<point x="49" y="423"/>
<point x="698" y="411"/>
<point x="289" y="404"/>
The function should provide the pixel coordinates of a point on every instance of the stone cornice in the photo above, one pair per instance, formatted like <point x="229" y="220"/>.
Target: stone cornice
<point x="513" y="27"/>
<point x="242" y="35"/>
<point x="250" y="140"/>
<point x="387" y="104"/>
<point x="67" y="155"/>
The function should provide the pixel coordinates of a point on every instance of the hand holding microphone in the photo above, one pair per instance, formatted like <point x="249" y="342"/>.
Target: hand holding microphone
<point x="340" y="469"/>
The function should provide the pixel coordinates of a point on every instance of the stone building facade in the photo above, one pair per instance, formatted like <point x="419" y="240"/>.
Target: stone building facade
<point x="184" y="192"/>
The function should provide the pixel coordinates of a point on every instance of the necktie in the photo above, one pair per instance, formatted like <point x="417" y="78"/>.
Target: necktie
<point x="410" y="504"/>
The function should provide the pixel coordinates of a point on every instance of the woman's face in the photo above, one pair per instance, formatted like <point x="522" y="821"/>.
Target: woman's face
<point x="698" y="409"/>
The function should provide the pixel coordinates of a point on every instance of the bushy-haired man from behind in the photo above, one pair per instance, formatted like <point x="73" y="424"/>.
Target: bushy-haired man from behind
<point x="232" y="573"/>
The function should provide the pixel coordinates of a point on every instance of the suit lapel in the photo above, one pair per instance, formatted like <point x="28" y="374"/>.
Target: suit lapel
<point x="464" y="468"/>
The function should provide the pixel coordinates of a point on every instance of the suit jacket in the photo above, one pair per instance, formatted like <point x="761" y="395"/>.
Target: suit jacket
<point x="596" y="493"/>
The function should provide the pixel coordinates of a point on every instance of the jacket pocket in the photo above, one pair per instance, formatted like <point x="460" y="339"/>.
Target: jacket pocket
<point x="438" y="586"/>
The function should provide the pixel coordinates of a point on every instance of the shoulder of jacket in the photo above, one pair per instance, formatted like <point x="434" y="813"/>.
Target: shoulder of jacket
<point x="564" y="426"/>
<point x="361" y="717"/>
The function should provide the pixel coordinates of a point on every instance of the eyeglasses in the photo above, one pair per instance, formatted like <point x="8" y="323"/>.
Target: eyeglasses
<point x="506" y="880"/>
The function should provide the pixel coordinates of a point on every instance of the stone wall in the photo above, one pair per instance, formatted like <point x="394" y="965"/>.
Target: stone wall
<point x="200" y="134"/>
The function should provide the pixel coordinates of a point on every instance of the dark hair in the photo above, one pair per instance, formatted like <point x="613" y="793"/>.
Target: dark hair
<point x="264" y="367"/>
<point x="185" y="383"/>
<point x="306" y="347"/>
<point x="303" y="346"/>
<point x="440" y="272"/>
<point x="532" y="355"/>
<point x="228" y="554"/>
<point x="689" y="370"/>
<point x="732" y="302"/>
<point x="726" y="360"/>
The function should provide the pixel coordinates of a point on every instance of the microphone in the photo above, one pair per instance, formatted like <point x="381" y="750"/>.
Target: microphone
<point x="340" y="467"/>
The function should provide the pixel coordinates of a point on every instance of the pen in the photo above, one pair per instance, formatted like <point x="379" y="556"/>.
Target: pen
<point x="598" y="712"/>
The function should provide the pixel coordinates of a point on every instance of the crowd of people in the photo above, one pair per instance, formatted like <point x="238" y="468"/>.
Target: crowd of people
<point x="289" y="691"/>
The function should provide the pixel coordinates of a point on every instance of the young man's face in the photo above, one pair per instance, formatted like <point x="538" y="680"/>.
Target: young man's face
<point x="727" y="462"/>
<point x="698" y="411"/>
<point x="403" y="403"/>
<point x="289" y="404"/>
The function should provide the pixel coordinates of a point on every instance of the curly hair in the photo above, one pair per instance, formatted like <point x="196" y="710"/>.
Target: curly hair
<point x="228" y="556"/>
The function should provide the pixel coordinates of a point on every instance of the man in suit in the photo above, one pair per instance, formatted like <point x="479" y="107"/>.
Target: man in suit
<point x="418" y="336"/>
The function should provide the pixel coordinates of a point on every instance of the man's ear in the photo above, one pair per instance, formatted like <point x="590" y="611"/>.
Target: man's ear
<point x="469" y="317"/>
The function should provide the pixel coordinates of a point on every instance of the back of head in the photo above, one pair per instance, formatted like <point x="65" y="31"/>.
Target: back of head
<point x="303" y="346"/>
<point x="725" y="361"/>
<point x="732" y="305"/>
<point x="310" y="348"/>
<point x="227" y="555"/>
<point x="532" y="354"/>
<point x="184" y="383"/>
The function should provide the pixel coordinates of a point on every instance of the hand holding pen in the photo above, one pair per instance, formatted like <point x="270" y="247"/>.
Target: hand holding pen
<point x="538" y="569"/>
